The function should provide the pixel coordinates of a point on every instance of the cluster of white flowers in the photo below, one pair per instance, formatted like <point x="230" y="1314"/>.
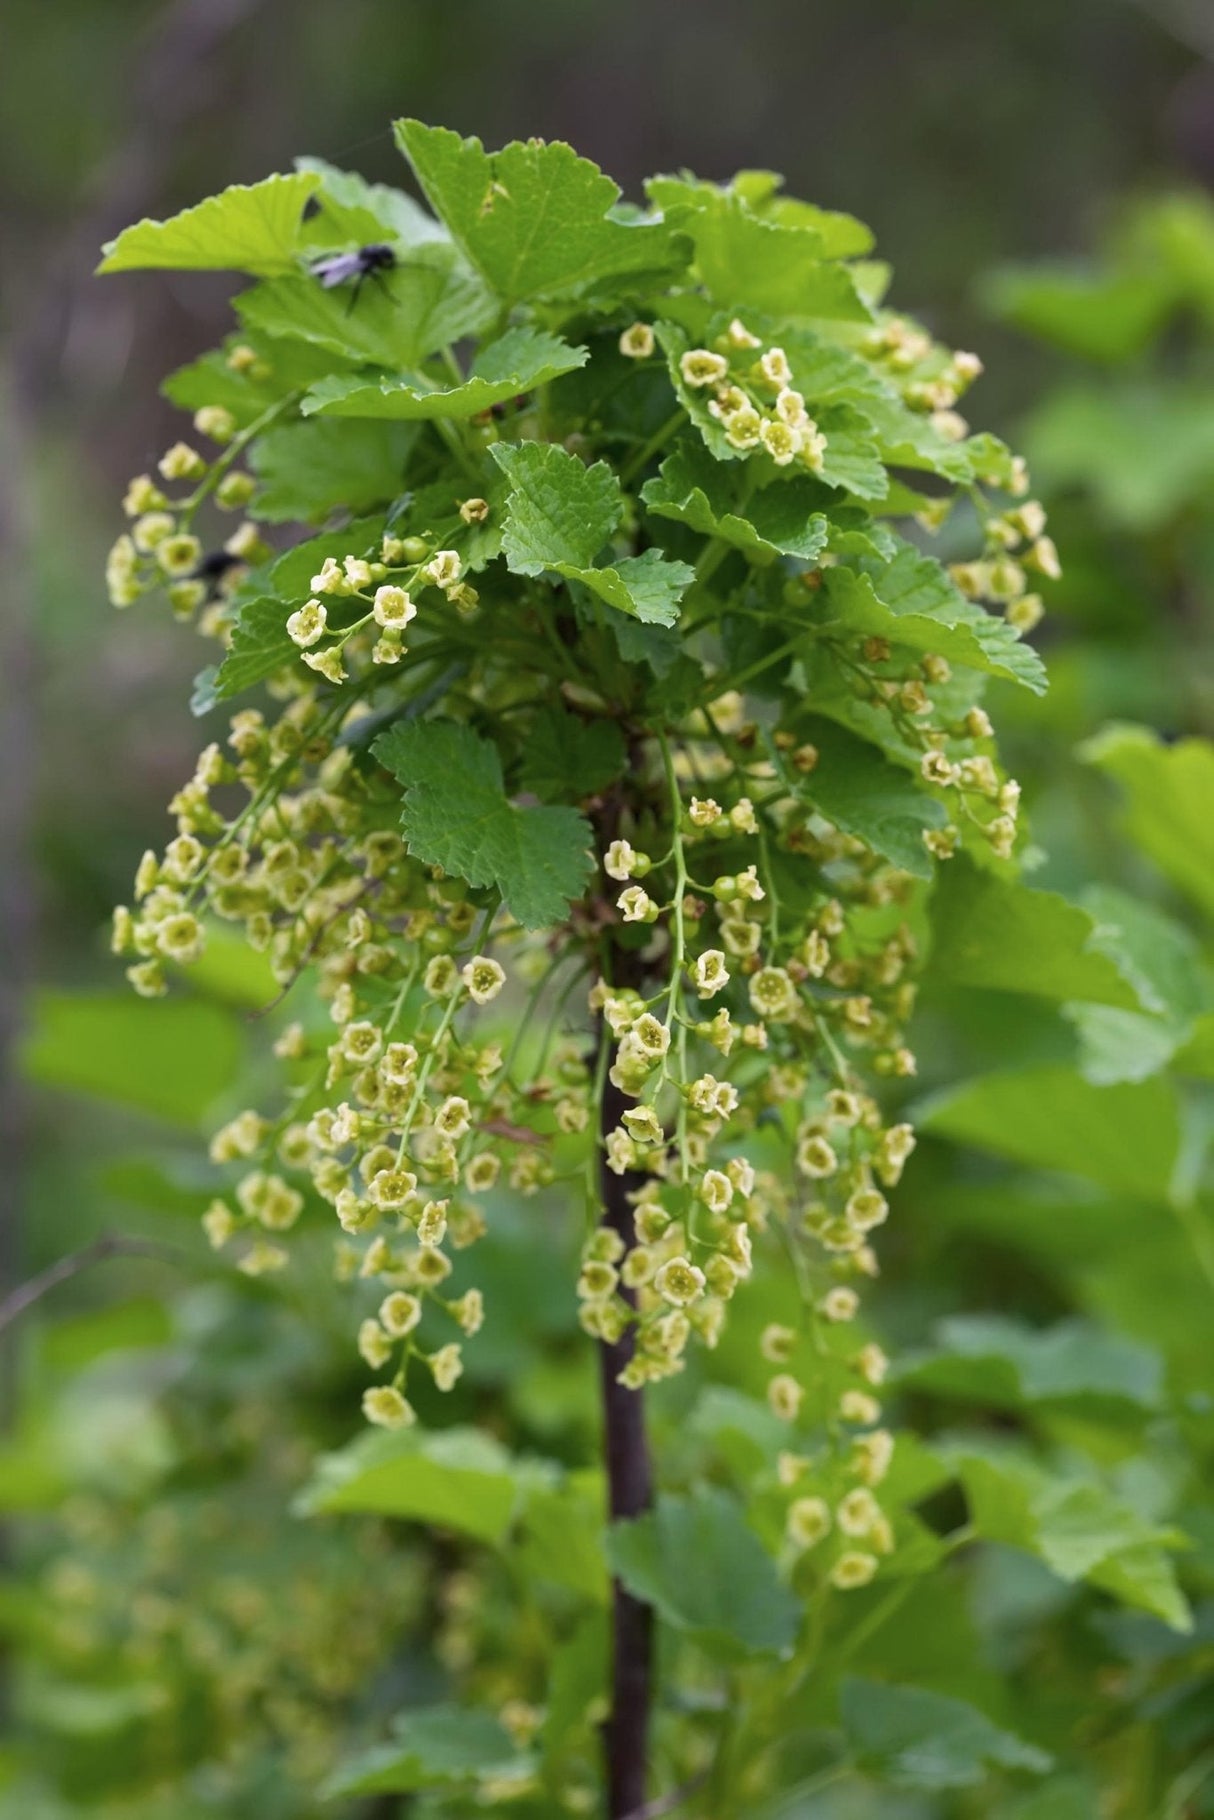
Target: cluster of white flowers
<point x="385" y="587"/>
<point x="754" y="399"/>
<point x="399" y="1116"/>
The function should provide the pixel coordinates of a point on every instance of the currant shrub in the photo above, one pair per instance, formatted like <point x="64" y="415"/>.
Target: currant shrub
<point x="615" y="715"/>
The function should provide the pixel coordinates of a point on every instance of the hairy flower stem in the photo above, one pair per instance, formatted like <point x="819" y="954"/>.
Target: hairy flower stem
<point x="630" y="1492"/>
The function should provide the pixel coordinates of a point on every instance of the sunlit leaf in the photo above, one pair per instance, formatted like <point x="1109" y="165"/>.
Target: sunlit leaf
<point x="247" y="228"/>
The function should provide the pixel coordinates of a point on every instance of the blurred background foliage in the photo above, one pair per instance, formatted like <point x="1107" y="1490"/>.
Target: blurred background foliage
<point x="177" y="1642"/>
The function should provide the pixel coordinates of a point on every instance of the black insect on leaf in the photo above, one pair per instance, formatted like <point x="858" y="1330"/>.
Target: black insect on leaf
<point x="368" y="262"/>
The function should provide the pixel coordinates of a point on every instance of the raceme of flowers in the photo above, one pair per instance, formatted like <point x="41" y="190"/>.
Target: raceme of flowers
<point x="738" y="972"/>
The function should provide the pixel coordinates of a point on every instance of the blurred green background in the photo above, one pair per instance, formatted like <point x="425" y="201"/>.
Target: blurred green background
<point x="979" y="140"/>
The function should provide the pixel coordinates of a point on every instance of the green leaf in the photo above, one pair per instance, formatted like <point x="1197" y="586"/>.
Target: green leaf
<point x="705" y="1571"/>
<point x="433" y="512"/>
<point x="907" y="439"/>
<point x="1126" y="1136"/>
<point x="308" y="469"/>
<point x="438" y="1746"/>
<point x="566" y="758"/>
<point x="562" y="1539"/>
<point x="172" y="1059"/>
<point x="33" y="1476"/>
<point x="780" y="520"/>
<point x="517" y="361"/>
<point x="648" y="586"/>
<point x="1062" y="1798"/>
<point x="429" y="300"/>
<point x="247" y="228"/>
<point x="560" y="510"/>
<point x="1168" y="792"/>
<point x="259" y="647"/>
<point x="1162" y="962"/>
<point x="1008" y="1365"/>
<point x="918" y="1739"/>
<point x="744" y="1432"/>
<point x="457" y="815"/>
<point x="1000" y="935"/>
<point x="839" y="236"/>
<point x="1107" y="316"/>
<point x="674" y="341"/>
<point x="751" y="264"/>
<point x="851" y="458"/>
<point x="454" y="1478"/>
<point x="358" y="211"/>
<point x="1196" y="1056"/>
<point x="281" y="367"/>
<point x="1142" y="451"/>
<point x="559" y="515"/>
<point x="81" y="1710"/>
<point x="842" y="235"/>
<point x="289" y="576"/>
<point x="1121" y="1045"/>
<point x="576" y="1685"/>
<point x="913" y="602"/>
<point x="1157" y="955"/>
<point x="76" y="1341"/>
<point x="829" y="378"/>
<point x="533" y="218"/>
<point x="857" y="788"/>
<point x="1080" y="1530"/>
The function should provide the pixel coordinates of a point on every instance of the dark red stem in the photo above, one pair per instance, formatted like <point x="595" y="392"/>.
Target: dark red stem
<point x="630" y="1493"/>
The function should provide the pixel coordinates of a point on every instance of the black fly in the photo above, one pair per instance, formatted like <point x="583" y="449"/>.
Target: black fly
<point x="214" y="568"/>
<point x="368" y="262"/>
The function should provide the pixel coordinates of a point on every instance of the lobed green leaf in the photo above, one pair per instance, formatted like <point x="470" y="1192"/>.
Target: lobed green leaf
<point x="455" y="1478"/>
<point x="437" y="1746"/>
<point x="457" y="815"/>
<point x="1168" y="792"/>
<point x="532" y="218"/>
<point x="780" y="519"/>
<point x="428" y="301"/>
<point x="307" y="470"/>
<point x="1006" y="1364"/>
<point x="517" y="361"/>
<point x="246" y="228"/>
<point x="857" y="788"/>
<point x="1080" y="1530"/>
<point x="566" y="758"/>
<point x="705" y="1571"/>
<point x="559" y="515"/>
<point x="915" y="1738"/>
<point x="913" y="602"/>
<point x="998" y="934"/>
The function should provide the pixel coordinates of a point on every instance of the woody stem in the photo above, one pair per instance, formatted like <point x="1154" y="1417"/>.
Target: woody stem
<point x="630" y="1493"/>
<point x="625" y="1445"/>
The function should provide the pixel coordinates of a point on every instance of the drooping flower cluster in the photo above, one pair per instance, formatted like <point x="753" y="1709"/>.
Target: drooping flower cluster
<point x="401" y="1116"/>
